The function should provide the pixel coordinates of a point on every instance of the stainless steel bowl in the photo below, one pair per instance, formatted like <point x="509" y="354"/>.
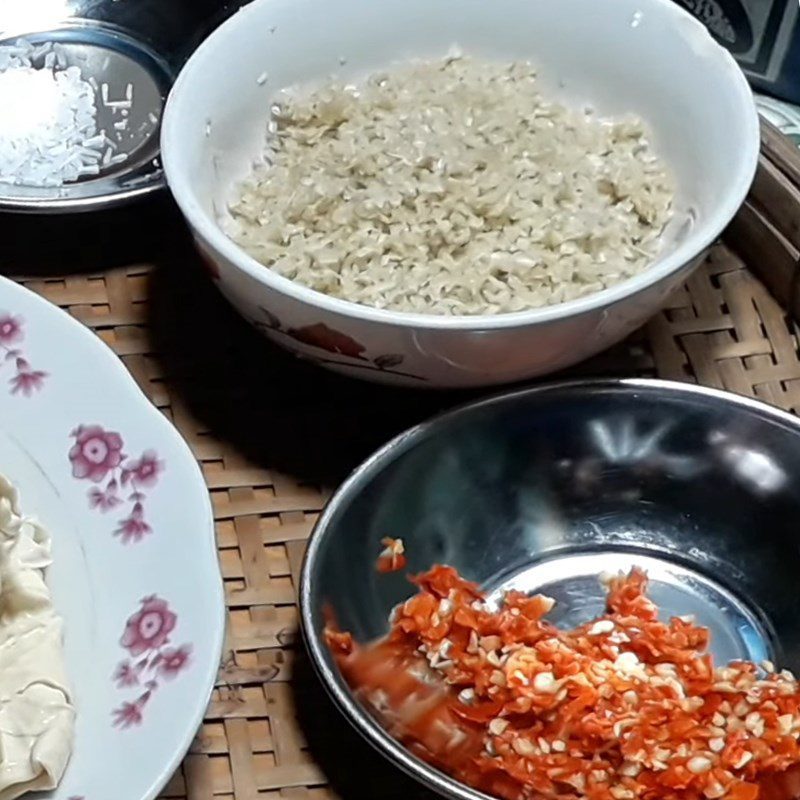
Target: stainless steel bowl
<point x="545" y="488"/>
<point x="135" y="48"/>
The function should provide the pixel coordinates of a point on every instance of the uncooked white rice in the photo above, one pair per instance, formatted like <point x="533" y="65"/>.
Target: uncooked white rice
<point x="451" y="187"/>
<point x="48" y="130"/>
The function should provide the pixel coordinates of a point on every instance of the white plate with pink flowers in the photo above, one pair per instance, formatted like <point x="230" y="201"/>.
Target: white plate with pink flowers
<point x="135" y="574"/>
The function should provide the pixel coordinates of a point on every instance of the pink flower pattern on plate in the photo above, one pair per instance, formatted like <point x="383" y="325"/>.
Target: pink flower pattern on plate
<point x="10" y="329"/>
<point x="26" y="380"/>
<point x="133" y="528"/>
<point x="146" y="637"/>
<point x="96" y="452"/>
<point x="174" y="660"/>
<point x="97" y="456"/>
<point x="144" y="471"/>
<point x="149" y="628"/>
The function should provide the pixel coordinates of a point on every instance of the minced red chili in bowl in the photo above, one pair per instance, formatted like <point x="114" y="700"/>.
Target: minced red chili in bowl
<point x="623" y="707"/>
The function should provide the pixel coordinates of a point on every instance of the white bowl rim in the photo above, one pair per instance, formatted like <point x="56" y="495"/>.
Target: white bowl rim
<point x="210" y="231"/>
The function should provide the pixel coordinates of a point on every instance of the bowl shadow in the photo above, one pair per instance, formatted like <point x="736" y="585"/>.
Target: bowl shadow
<point x="279" y="411"/>
<point x="42" y="245"/>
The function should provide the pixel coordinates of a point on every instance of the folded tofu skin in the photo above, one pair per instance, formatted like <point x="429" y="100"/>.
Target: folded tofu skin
<point x="37" y="717"/>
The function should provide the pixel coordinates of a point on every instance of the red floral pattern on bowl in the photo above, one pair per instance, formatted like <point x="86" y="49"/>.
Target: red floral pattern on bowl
<point x="325" y="339"/>
<point x="146" y="636"/>
<point x="210" y="266"/>
<point x="96" y="456"/>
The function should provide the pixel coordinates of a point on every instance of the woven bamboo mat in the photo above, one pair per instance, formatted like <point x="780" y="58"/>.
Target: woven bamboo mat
<point x="271" y="433"/>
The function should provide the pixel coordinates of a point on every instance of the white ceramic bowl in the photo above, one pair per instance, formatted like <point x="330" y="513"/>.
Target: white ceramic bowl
<point x="648" y="57"/>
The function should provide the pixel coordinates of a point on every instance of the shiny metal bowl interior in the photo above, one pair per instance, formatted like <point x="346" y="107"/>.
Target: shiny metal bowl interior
<point x="135" y="46"/>
<point x="545" y="488"/>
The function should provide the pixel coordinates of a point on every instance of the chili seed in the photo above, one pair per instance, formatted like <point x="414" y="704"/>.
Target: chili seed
<point x="698" y="765"/>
